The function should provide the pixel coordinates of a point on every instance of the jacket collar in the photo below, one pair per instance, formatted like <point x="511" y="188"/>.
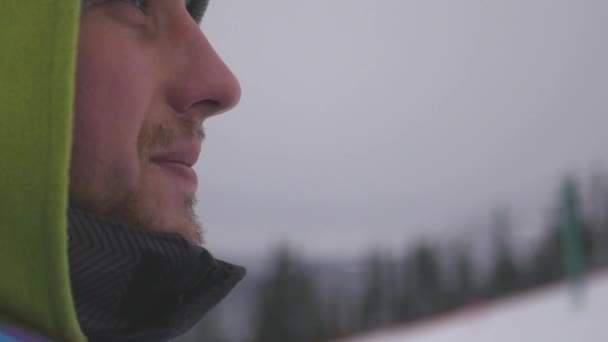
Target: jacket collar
<point x="133" y="285"/>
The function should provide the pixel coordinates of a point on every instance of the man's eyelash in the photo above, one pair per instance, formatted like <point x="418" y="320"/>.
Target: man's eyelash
<point x="138" y="3"/>
<point x="196" y="8"/>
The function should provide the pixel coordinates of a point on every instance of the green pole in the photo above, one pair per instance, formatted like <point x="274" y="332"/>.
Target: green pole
<point x="571" y="242"/>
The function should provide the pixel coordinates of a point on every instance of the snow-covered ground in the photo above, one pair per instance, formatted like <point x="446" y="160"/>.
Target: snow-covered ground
<point x="539" y="316"/>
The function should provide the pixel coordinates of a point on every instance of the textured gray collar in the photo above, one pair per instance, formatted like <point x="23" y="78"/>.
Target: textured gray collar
<point x="132" y="285"/>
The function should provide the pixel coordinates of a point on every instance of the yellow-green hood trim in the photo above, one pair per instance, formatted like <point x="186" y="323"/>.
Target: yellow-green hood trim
<point x="37" y="66"/>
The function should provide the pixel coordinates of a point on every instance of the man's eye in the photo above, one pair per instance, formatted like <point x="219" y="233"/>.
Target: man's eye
<point x="137" y="3"/>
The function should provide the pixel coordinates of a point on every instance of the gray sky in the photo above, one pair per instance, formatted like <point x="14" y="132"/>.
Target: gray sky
<point x="365" y="123"/>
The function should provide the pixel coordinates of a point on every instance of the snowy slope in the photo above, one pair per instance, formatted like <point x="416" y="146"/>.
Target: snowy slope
<point x="545" y="315"/>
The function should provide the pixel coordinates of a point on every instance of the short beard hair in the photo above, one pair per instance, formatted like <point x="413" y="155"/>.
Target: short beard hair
<point x="128" y="205"/>
<point x="128" y="210"/>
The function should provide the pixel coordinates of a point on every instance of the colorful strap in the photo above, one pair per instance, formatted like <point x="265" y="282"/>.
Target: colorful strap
<point x="11" y="334"/>
<point x="6" y="338"/>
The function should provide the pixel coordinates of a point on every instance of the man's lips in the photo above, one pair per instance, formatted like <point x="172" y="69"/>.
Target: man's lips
<point x="178" y="161"/>
<point x="186" y="155"/>
<point x="182" y="172"/>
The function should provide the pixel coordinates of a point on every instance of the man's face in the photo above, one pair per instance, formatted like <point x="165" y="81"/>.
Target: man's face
<point x="146" y="79"/>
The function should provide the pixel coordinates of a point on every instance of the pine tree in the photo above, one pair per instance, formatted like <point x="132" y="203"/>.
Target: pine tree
<point x="289" y="308"/>
<point x="427" y="286"/>
<point x="505" y="278"/>
<point x="374" y="312"/>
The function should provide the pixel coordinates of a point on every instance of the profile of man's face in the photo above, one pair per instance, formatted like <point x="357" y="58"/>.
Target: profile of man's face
<point x="146" y="80"/>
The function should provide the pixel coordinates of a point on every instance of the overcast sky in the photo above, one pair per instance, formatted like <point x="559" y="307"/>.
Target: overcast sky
<point x="365" y="123"/>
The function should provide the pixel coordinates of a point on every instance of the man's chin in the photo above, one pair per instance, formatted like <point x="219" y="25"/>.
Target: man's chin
<point x="158" y="216"/>
<point x="192" y="233"/>
<point x="182" y="221"/>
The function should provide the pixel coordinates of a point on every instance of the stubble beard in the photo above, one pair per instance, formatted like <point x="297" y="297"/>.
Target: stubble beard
<point x="135" y="211"/>
<point x="137" y="205"/>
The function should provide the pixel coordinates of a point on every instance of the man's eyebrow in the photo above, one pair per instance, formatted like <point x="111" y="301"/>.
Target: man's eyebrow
<point x="197" y="9"/>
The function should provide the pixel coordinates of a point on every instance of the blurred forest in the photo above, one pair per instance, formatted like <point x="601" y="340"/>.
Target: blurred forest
<point x="298" y="300"/>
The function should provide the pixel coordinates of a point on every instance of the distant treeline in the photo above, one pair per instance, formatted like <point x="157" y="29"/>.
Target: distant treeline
<point x="426" y="280"/>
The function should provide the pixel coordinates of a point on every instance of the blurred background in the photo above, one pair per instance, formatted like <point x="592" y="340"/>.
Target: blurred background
<point x="424" y="170"/>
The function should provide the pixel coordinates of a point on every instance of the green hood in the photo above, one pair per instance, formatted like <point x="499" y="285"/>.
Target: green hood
<point x="36" y="98"/>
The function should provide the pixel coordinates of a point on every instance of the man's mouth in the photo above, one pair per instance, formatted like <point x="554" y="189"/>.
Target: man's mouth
<point x="178" y="162"/>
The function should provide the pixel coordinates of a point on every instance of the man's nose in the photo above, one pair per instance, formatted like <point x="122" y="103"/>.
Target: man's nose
<point x="201" y="83"/>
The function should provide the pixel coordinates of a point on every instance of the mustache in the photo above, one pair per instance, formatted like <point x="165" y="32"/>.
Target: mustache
<point x="164" y="136"/>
